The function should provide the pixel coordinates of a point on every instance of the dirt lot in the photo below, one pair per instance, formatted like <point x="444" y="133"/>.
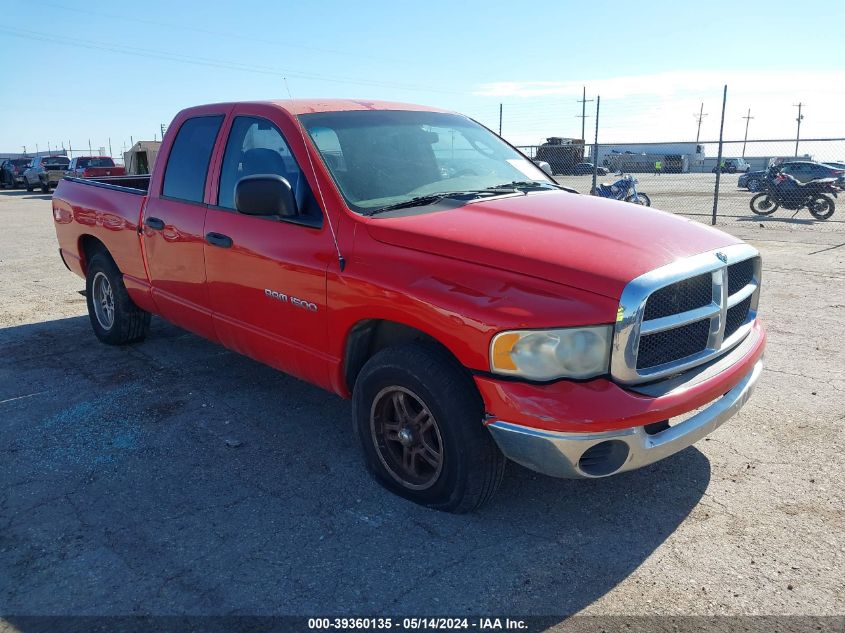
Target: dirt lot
<point x="174" y="477"/>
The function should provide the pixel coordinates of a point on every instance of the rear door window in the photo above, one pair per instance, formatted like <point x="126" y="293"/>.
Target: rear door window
<point x="187" y="165"/>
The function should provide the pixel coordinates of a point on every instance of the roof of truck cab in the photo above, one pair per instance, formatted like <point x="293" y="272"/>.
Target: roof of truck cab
<point x="308" y="106"/>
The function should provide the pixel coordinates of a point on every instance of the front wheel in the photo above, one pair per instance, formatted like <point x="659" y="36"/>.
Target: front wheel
<point x="822" y="207"/>
<point x="640" y="198"/>
<point x="115" y="318"/>
<point x="45" y="188"/>
<point x="418" y="418"/>
<point x="762" y="204"/>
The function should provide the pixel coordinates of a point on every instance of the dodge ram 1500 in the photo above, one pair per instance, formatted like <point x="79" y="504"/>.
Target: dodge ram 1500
<point x="411" y="260"/>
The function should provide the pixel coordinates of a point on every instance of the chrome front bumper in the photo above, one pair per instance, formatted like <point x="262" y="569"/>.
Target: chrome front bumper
<point x="566" y="454"/>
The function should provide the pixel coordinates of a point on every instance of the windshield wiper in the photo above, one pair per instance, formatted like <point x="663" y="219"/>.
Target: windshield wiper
<point x="433" y="198"/>
<point x="527" y="185"/>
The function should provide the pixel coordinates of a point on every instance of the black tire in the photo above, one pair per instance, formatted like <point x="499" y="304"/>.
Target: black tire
<point x="29" y="187"/>
<point x="45" y="188"/>
<point x="642" y="199"/>
<point x="129" y="323"/>
<point x="469" y="464"/>
<point x="822" y="207"/>
<point x="754" y="184"/>
<point x="761" y="204"/>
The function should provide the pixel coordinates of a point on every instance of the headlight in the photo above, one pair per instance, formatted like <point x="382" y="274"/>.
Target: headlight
<point x="578" y="352"/>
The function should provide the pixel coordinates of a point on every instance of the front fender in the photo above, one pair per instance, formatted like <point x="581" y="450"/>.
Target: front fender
<point x="459" y="304"/>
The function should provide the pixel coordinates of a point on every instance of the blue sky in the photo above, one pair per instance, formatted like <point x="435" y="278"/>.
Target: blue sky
<point x="114" y="70"/>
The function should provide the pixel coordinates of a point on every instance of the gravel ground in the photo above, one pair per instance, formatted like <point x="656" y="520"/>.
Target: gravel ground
<point x="174" y="477"/>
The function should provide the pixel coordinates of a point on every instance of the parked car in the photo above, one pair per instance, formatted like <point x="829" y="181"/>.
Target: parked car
<point x="801" y="170"/>
<point x="835" y="164"/>
<point x="11" y="172"/>
<point x="91" y="166"/>
<point x="45" y="172"/>
<point x="471" y="317"/>
<point x="587" y="168"/>
<point x="733" y="166"/>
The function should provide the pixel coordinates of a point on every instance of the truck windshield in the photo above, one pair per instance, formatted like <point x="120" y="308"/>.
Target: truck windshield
<point x="381" y="158"/>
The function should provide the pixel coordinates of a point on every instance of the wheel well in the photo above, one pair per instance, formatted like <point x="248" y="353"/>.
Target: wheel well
<point x="88" y="247"/>
<point x="367" y="338"/>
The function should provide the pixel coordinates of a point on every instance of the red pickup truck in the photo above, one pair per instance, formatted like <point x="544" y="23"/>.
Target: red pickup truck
<point x="410" y="259"/>
<point x="93" y="166"/>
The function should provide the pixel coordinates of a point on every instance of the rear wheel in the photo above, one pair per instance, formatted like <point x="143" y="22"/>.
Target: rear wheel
<point x="418" y="419"/>
<point x="822" y="207"/>
<point x="45" y="188"/>
<point x="115" y="318"/>
<point x="762" y="204"/>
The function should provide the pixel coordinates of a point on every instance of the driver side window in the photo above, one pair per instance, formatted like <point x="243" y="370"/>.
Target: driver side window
<point x="256" y="146"/>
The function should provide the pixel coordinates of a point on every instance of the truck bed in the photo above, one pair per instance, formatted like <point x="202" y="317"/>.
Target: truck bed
<point x="130" y="184"/>
<point x="105" y="209"/>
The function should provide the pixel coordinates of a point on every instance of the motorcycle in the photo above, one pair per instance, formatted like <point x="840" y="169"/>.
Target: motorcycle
<point x="782" y="190"/>
<point x="623" y="189"/>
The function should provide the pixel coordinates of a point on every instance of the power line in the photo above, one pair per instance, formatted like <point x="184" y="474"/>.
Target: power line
<point x="195" y="29"/>
<point x="213" y="63"/>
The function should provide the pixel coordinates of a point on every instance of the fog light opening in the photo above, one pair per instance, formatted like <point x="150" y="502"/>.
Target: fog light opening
<point x="656" y="427"/>
<point x="604" y="458"/>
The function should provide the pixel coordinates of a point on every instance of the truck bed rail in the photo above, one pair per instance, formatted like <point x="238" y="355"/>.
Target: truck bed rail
<point x="138" y="185"/>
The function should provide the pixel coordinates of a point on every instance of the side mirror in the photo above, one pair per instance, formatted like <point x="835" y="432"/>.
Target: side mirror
<point x="265" y="194"/>
<point x="547" y="169"/>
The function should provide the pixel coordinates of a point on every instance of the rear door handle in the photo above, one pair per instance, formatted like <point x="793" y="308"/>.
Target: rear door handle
<point x="218" y="239"/>
<point x="154" y="223"/>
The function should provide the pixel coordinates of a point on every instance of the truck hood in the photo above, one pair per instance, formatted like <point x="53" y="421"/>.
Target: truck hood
<point x="585" y="242"/>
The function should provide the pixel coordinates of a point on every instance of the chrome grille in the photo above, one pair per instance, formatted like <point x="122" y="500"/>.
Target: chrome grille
<point x="687" y="294"/>
<point x="685" y="314"/>
<point x="671" y="345"/>
<point x="740" y="275"/>
<point x="737" y="316"/>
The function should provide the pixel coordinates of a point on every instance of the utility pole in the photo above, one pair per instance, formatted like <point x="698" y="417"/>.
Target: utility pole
<point x="719" y="157"/>
<point x="24" y="149"/>
<point x="500" y="121"/>
<point x="595" y="156"/>
<point x="699" y="117"/>
<point x="798" y="105"/>
<point x="110" y="154"/>
<point x="583" y="116"/>
<point x="747" y="118"/>
<point x="89" y="147"/>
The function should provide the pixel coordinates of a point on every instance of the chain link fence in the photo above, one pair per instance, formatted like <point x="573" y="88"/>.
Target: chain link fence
<point x="681" y="176"/>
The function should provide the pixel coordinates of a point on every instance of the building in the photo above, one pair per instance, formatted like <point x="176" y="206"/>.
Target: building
<point x="141" y="157"/>
<point x="640" y="157"/>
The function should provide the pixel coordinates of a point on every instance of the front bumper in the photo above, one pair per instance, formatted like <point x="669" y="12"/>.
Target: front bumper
<point x="592" y="455"/>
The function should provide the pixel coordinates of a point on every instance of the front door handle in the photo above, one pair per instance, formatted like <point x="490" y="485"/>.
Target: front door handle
<point x="154" y="223"/>
<point x="218" y="239"/>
